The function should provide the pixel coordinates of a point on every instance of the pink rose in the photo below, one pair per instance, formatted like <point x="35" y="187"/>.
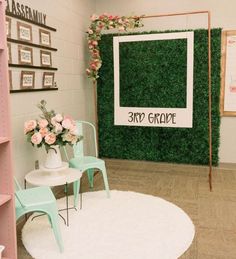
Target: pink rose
<point x="74" y="130"/>
<point x="50" y="138"/>
<point x="36" y="138"/>
<point x="58" y="128"/>
<point x="67" y="123"/>
<point x="43" y="123"/>
<point x="95" y="55"/>
<point x="29" y="125"/>
<point x="93" y="66"/>
<point x="90" y="31"/>
<point x="43" y="131"/>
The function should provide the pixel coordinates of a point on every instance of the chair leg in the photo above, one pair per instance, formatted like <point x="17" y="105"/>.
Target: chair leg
<point x="56" y="229"/>
<point x="104" y="174"/>
<point x="76" y="187"/>
<point x="90" y="173"/>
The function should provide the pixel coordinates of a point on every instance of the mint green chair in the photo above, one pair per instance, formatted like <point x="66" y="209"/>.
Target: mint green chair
<point x="40" y="199"/>
<point x="86" y="163"/>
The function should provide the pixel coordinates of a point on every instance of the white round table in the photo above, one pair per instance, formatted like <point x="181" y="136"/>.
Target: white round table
<point x="54" y="177"/>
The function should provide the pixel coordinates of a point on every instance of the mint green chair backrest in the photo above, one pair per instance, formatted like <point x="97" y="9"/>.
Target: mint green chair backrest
<point x="79" y="147"/>
<point x="17" y="184"/>
<point x="18" y="187"/>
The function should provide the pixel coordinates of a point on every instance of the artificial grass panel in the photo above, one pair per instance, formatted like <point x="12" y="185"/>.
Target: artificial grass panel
<point x="147" y="82"/>
<point x="144" y="80"/>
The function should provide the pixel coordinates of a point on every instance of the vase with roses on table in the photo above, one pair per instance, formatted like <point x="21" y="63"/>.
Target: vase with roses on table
<point x="52" y="130"/>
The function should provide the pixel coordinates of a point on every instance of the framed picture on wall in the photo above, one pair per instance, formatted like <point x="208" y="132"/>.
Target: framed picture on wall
<point x="27" y="79"/>
<point x="45" y="58"/>
<point x="228" y="78"/>
<point x="44" y="38"/>
<point x="25" y="55"/>
<point x="8" y="27"/>
<point x="48" y="80"/>
<point x="9" y="53"/>
<point x="10" y="79"/>
<point x="24" y="32"/>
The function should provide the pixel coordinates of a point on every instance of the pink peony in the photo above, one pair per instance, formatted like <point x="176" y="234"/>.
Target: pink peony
<point x="29" y="125"/>
<point x="50" y="138"/>
<point x="43" y="123"/>
<point x="36" y="138"/>
<point x="43" y="131"/>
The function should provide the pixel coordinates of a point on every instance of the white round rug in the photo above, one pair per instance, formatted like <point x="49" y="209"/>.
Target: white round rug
<point x="129" y="225"/>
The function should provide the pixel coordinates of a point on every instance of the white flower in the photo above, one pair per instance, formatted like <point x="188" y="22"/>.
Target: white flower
<point x="58" y="117"/>
<point x="58" y="128"/>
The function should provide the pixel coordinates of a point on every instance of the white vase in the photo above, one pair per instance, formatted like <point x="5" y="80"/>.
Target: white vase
<point x="53" y="159"/>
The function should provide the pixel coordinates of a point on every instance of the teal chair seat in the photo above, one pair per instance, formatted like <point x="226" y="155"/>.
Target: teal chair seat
<point x="85" y="163"/>
<point x="39" y="199"/>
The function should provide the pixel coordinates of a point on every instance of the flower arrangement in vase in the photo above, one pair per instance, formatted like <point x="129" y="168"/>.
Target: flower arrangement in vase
<point x="52" y="130"/>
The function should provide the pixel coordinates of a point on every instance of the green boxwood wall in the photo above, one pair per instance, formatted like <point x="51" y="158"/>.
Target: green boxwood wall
<point x="153" y="78"/>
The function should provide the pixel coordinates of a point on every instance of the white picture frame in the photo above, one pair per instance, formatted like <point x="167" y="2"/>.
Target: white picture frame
<point x="8" y="27"/>
<point x="9" y="53"/>
<point x="48" y="79"/>
<point x="228" y="74"/>
<point x="44" y="38"/>
<point x="45" y="58"/>
<point x="27" y="79"/>
<point x="25" y="55"/>
<point x="24" y="32"/>
<point x="148" y="117"/>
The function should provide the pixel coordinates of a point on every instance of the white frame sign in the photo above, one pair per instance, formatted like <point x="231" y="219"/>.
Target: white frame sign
<point x="154" y="117"/>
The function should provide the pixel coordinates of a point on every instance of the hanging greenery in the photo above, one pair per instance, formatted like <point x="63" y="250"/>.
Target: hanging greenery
<point x="105" y="22"/>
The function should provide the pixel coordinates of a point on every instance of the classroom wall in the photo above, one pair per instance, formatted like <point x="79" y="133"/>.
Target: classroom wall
<point x="75" y="95"/>
<point x="222" y="15"/>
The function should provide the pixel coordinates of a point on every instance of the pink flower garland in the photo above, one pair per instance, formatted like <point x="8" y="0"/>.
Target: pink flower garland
<point x="105" y="22"/>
